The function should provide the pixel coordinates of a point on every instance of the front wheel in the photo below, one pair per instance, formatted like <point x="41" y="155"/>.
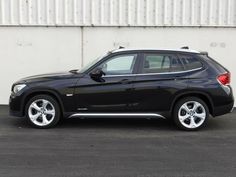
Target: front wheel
<point x="191" y="113"/>
<point x="43" y="111"/>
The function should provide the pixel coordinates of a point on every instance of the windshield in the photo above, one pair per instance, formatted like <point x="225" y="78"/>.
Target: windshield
<point x="90" y="64"/>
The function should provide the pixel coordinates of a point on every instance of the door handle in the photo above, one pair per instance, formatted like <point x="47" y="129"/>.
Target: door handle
<point x="125" y="81"/>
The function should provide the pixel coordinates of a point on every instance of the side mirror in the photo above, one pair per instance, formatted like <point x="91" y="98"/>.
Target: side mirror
<point x="97" y="74"/>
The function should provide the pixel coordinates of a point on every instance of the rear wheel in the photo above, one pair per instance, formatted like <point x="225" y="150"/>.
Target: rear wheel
<point x="191" y="113"/>
<point x="43" y="111"/>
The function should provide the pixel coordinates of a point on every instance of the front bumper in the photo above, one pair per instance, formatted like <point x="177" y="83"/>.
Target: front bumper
<point x="16" y="106"/>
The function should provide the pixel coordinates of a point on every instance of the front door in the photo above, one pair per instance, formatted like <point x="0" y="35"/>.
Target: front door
<point x="111" y="93"/>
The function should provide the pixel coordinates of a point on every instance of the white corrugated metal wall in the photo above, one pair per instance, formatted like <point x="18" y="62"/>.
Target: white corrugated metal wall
<point x="118" y="12"/>
<point x="39" y="36"/>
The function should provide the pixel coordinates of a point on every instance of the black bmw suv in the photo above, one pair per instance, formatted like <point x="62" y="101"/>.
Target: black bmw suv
<point x="184" y="85"/>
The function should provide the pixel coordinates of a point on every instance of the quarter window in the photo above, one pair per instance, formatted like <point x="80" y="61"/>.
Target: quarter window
<point x="190" y="62"/>
<point x="176" y="65"/>
<point x="119" y="65"/>
<point x="159" y="63"/>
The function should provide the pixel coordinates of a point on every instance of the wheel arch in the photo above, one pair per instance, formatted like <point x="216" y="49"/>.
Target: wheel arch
<point x="49" y="92"/>
<point x="204" y="96"/>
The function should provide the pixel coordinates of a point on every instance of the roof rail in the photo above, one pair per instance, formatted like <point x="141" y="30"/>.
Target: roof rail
<point x="121" y="47"/>
<point x="185" y="47"/>
<point x="204" y="53"/>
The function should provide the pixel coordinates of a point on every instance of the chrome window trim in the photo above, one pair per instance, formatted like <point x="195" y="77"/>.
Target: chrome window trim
<point x="145" y="74"/>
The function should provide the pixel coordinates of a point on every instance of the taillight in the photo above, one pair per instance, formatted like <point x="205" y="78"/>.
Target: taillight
<point x="224" y="79"/>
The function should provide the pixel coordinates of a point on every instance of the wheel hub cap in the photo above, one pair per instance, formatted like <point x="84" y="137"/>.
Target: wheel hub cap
<point x="191" y="113"/>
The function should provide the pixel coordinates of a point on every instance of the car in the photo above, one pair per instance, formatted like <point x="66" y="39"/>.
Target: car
<point x="182" y="85"/>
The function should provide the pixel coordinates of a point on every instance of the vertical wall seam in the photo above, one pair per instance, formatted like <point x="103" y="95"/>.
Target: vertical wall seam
<point x="65" y="11"/>
<point x="82" y="46"/>
<point x="47" y="12"/>
<point x="192" y="12"/>
<point x="11" y="12"/>
<point x="101" y="11"/>
<point x="38" y="12"/>
<point x="137" y="11"/>
<point x="20" y="12"/>
<point x="228" y="12"/>
<point x="111" y="11"/>
<point x="75" y="12"/>
<point x="183" y="12"/>
<point x="56" y="11"/>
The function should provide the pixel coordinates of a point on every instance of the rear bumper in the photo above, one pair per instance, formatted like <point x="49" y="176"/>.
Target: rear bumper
<point x="221" y="110"/>
<point x="224" y="103"/>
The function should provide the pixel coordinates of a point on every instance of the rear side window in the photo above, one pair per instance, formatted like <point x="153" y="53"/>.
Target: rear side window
<point x="190" y="62"/>
<point x="161" y="63"/>
<point x="176" y="65"/>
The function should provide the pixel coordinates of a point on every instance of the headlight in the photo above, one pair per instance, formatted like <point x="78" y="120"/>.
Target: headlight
<point x="18" y="87"/>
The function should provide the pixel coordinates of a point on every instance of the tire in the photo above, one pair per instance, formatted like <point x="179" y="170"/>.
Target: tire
<point x="43" y="111"/>
<point x="190" y="113"/>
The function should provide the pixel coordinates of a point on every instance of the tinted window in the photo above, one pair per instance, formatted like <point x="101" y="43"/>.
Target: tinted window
<point x="190" y="62"/>
<point x="123" y="64"/>
<point x="176" y="65"/>
<point x="214" y="62"/>
<point x="159" y="63"/>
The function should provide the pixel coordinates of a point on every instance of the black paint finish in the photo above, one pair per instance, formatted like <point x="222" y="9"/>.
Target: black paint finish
<point x="136" y="92"/>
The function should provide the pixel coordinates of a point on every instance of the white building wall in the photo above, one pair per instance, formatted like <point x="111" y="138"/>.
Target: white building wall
<point x="40" y="36"/>
<point x="118" y="12"/>
<point x="30" y="51"/>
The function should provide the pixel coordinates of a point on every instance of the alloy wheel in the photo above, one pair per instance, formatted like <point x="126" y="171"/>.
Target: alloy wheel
<point x="192" y="114"/>
<point x="41" y="112"/>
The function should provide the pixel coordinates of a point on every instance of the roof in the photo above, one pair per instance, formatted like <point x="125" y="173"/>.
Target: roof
<point x="153" y="49"/>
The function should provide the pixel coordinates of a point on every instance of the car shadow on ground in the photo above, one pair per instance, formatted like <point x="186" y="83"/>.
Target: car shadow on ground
<point x="220" y="123"/>
<point x="107" y="123"/>
<point x="118" y="123"/>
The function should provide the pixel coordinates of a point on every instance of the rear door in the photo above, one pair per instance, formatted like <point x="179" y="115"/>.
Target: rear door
<point x="160" y="77"/>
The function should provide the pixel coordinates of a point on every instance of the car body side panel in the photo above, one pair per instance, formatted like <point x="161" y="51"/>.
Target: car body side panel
<point x="108" y="95"/>
<point x="205" y="82"/>
<point x="61" y="88"/>
<point x="155" y="92"/>
<point x="64" y="89"/>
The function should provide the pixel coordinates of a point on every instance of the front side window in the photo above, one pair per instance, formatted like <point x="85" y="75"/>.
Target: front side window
<point x="161" y="63"/>
<point x="123" y="64"/>
<point x="190" y="62"/>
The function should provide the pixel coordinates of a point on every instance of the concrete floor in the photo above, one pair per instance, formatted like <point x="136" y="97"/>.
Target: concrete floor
<point x="117" y="148"/>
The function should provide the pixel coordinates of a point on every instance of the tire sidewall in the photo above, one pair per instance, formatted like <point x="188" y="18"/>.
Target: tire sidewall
<point x="180" y="103"/>
<point x="53" y="102"/>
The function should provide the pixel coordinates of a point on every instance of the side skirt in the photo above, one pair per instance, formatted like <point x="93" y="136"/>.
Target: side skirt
<point x="135" y="115"/>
